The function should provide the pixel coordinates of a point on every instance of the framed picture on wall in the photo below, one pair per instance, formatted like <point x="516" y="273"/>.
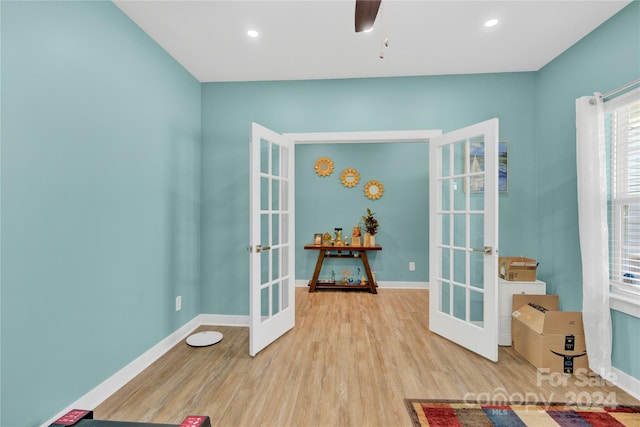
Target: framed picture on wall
<point x="476" y="154"/>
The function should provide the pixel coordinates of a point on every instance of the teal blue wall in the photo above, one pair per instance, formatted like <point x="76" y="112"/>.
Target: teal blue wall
<point x="443" y="102"/>
<point x="604" y="60"/>
<point x="323" y="203"/>
<point x="100" y="192"/>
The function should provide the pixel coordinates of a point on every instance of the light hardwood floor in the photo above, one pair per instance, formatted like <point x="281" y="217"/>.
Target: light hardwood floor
<point x="350" y="361"/>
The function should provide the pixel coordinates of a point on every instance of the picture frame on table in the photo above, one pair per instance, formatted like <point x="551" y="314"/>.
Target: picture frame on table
<point x="317" y="239"/>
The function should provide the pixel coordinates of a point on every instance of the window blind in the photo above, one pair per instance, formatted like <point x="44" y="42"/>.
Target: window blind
<point x="622" y="130"/>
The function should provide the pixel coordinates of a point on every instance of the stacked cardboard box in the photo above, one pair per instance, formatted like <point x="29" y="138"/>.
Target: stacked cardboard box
<point x="517" y="268"/>
<point x="546" y="337"/>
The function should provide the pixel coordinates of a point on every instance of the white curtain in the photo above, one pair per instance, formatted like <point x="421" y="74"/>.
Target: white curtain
<point x="594" y="233"/>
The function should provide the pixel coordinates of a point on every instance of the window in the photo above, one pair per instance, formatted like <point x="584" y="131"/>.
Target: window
<point x="622" y="134"/>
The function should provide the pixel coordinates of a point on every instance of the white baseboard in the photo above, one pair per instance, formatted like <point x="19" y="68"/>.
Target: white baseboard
<point x="112" y="384"/>
<point x="222" y="320"/>
<point x="402" y="285"/>
<point x="388" y="284"/>
<point x="626" y="382"/>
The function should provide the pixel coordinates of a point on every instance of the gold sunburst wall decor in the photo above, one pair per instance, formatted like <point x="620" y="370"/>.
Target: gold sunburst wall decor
<point x="350" y="177"/>
<point x="324" y="166"/>
<point x="373" y="189"/>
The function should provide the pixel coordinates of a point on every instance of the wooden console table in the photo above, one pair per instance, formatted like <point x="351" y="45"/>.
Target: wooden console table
<point x="331" y="251"/>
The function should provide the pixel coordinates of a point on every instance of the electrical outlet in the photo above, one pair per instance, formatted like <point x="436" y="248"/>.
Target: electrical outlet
<point x="178" y="303"/>
<point x="412" y="266"/>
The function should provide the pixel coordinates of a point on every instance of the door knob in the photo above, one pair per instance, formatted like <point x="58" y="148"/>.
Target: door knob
<point x="487" y="250"/>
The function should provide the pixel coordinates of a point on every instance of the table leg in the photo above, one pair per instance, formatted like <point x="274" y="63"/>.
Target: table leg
<point x="316" y="273"/>
<point x="367" y="269"/>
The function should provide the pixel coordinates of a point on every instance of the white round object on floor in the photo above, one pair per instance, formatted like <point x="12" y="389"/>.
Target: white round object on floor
<point x="205" y="338"/>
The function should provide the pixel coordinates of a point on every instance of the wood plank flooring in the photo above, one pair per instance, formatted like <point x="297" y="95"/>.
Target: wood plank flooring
<point x="350" y="361"/>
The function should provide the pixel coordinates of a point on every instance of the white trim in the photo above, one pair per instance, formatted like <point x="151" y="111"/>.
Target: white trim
<point x="362" y="137"/>
<point x="626" y="382"/>
<point x="223" y="320"/>
<point x="621" y="100"/>
<point x="624" y="304"/>
<point x="388" y="284"/>
<point x="112" y="384"/>
<point x="382" y="284"/>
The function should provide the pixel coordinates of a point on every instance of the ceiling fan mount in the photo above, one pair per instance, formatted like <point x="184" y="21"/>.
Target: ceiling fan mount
<point x="365" y="16"/>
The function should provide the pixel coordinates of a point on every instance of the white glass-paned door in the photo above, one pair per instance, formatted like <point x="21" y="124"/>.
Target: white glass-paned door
<point x="272" y="305"/>
<point x="463" y="293"/>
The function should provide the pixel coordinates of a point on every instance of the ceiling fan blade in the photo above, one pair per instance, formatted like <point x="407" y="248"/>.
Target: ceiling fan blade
<point x="366" y="11"/>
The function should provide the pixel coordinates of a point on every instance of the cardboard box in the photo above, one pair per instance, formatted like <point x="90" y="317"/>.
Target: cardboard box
<point x="517" y="268"/>
<point x="546" y="337"/>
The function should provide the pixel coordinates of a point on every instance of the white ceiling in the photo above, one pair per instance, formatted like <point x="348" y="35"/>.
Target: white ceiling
<point x="315" y="39"/>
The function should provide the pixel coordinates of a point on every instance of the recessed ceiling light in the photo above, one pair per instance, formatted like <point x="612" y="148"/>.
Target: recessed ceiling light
<point x="491" y="23"/>
<point x="252" y="33"/>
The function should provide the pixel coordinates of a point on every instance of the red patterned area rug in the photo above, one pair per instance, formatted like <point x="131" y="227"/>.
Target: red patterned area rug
<point x="447" y="413"/>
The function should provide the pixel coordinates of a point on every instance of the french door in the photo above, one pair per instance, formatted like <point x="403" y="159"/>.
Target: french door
<point x="463" y="225"/>
<point x="271" y="259"/>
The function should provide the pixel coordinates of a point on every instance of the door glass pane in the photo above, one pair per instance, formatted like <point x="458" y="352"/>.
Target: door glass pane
<point x="476" y="237"/>
<point x="264" y="193"/>
<point x="284" y="195"/>
<point x="285" y="292"/>
<point x="459" y="266"/>
<point x="275" y="298"/>
<point x="445" y="160"/>
<point x="476" y="201"/>
<point x="446" y="263"/>
<point x="476" y="230"/>
<point x="446" y="194"/>
<point x="264" y="268"/>
<point x="264" y="241"/>
<point x="264" y="156"/>
<point x="264" y="304"/>
<point x="476" y="275"/>
<point x="275" y="228"/>
<point x="460" y="302"/>
<point x="459" y="195"/>
<point x="445" y="225"/>
<point x="275" y="160"/>
<point x="264" y="230"/>
<point x="476" y="162"/>
<point x="275" y="194"/>
<point x="460" y="230"/>
<point x="445" y="297"/>
<point x="284" y="229"/>
<point x="459" y="157"/>
<point x="275" y="263"/>
<point x="476" y="308"/>
<point x="284" y="259"/>
<point x="476" y="154"/>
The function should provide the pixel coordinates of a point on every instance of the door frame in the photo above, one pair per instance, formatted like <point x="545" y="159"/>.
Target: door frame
<point x="363" y="137"/>
<point x="341" y="137"/>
